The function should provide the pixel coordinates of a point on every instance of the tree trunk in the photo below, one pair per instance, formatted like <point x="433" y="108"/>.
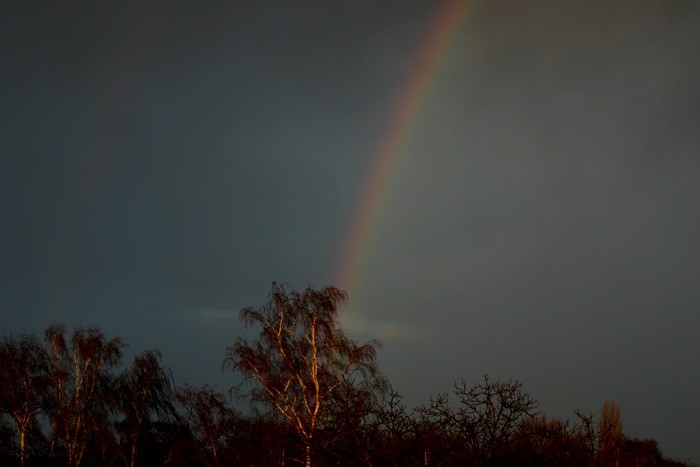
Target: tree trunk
<point x="133" y="453"/>
<point x="22" y="446"/>
<point x="215" y="454"/>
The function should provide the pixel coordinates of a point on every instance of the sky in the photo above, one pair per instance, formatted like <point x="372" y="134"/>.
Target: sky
<point x="502" y="187"/>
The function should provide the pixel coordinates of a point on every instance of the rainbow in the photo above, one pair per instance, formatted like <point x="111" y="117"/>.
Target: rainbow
<point x="112" y="112"/>
<point x="376" y="192"/>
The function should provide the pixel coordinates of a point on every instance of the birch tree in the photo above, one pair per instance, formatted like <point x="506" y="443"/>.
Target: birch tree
<point x="145" y="390"/>
<point x="209" y="419"/>
<point x="79" y="372"/>
<point x="301" y="356"/>
<point x="23" y="379"/>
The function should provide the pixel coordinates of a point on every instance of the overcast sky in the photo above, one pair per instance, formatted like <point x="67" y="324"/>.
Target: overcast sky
<point x="161" y="163"/>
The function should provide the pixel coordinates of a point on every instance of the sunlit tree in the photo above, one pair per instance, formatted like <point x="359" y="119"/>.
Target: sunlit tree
<point x="23" y="382"/>
<point x="610" y="433"/>
<point x="301" y="356"/>
<point x="80" y="377"/>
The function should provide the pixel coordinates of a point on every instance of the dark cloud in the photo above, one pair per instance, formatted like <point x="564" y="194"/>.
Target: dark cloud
<point x="161" y="166"/>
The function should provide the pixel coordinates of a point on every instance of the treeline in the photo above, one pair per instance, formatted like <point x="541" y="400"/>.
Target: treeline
<point x="317" y="398"/>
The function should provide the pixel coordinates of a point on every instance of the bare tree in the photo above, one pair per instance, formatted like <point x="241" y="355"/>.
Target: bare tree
<point x="79" y="377"/>
<point x="23" y="380"/>
<point x="546" y="442"/>
<point x="586" y="433"/>
<point x="349" y="421"/>
<point x="394" y="425"/>
<point x="145" y="389"/>
<point x="300" y="357"/>
<point x="490" y="412"/>
<point x="208" y="418"/>
<point x="438" y="431"/>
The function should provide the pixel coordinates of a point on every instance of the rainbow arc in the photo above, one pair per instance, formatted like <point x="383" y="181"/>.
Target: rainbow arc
<point x="376" y="195"/>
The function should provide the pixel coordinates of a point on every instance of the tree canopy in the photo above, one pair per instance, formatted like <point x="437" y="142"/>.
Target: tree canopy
<point x="67" y="400"/>
<point x="301" y="356"/>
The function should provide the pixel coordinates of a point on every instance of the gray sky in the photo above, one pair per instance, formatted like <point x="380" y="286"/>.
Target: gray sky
<point x="162" y="163"/>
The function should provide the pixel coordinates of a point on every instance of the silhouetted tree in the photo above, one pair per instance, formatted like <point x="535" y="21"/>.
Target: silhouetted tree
<point x="345" y="436"/>
<point x="144" y="390"/>
<point x="438" y="433"/>
<point x="587" y="433"/>
<point x="209" y="419"/>
<point x="481" y="428"/>
<point x="394" y="430"/>
<point x="301" y="356"/>
<point x="267" y="439"/>
<point x="549" y="442"/>
<point x="490" y="412"/>
<point x="644" y="452"/>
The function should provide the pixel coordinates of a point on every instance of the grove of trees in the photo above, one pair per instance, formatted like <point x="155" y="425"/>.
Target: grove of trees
<point x="315" y="398"/>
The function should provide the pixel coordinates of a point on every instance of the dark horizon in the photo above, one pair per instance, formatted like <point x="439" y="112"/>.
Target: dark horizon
<point x="311" y="396"/>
